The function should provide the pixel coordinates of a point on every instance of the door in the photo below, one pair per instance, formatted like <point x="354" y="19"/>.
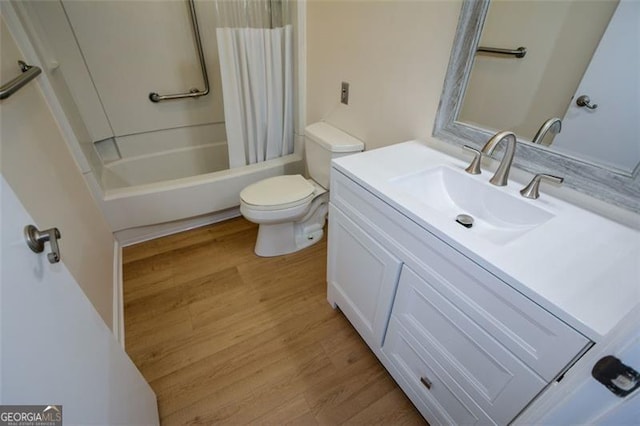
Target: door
<point x="581" y="399"/>
<point x="54" y="347"/>
<point x="362" y="277"/>
<point x="626" y="413"/>
<point x="609" y="135"/>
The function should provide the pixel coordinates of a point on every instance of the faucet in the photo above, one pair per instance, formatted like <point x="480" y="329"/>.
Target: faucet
<point x="553" y="124"/>
<point x="532" y="190"/>
<point x="502" y="172"/>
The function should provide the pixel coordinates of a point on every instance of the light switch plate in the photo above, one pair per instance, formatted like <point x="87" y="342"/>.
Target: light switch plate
<point x="344" y="93"/>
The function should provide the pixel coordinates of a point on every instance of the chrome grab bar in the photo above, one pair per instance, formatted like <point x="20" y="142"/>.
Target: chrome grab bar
<point x="29" y="72"/>
<point x="520" y="52"/>
<point x="193" y="93"/>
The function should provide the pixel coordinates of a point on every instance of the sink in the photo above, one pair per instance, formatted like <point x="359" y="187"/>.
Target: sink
<point x="499" y="216"/>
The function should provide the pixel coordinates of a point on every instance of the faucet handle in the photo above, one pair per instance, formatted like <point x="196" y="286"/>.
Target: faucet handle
<point x="474" y="167"/>
<point x="532" y="190"/>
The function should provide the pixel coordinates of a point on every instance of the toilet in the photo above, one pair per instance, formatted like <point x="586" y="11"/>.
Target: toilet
<point x="290" y="209"/>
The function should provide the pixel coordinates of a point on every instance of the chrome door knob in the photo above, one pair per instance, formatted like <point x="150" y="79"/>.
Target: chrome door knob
<point x="36" y="239"/>
<point x="585" y="101"/>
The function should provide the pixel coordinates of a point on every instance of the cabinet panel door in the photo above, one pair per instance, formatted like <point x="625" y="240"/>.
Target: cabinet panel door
<point x="362" y="277"/>
<point x="498" y="381"/>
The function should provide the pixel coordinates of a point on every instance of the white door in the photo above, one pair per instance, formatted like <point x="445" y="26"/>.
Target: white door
<point x="610" y="134"/>
<point x="581" y="399"/>
<point x="54" y="347"/>
<point x="625" y="411"/>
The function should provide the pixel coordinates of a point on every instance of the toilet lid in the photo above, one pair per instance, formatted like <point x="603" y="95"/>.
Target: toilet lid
<point x="280" y="191"/>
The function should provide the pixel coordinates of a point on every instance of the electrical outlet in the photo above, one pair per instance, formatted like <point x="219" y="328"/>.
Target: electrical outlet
<point x="344" y="93"/>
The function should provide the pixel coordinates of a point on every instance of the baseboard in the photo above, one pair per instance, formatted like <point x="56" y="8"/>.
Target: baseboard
<point x="118" y="297"/>
<point x="140" y="234"/>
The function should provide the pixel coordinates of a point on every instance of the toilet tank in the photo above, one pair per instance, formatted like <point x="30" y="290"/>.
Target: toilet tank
<point x="324" y="142"/>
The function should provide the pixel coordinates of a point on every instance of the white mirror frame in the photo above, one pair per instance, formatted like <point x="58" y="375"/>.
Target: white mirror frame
<point x="599" y="182"/>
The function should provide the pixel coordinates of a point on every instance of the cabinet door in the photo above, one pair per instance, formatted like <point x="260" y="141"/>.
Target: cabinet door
<point x="484" y="369"/>
<point x="362" y="277"/>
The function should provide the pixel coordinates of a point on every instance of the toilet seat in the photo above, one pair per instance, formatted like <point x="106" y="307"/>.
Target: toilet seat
<point x="278" y="193"/>
<point x="291" y="211"/>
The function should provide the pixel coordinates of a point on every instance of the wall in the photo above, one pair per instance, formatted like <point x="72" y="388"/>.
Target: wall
<point x="129" y="49"/>
<point x="36" y="161"/>
<point x="63" y="66"/>
<point x="134" y="48"/>
<point x="520" y="94"/>
<point x="394" y="54"/>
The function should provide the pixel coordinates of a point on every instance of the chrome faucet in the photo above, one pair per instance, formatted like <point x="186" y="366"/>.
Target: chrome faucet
<point x="502" y="172"/>
<point x="532" y="190"/>
<point x="553" y="125"/>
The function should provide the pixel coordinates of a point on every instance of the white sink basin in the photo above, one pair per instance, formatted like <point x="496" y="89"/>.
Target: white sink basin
<point x="498" y="216"/>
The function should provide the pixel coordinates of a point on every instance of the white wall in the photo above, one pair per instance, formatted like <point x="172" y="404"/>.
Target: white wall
<point x="394" y="54"/>
<point x="129" y="49"/>
<point x="133" y="48"/>
<point x="37" y="163"/>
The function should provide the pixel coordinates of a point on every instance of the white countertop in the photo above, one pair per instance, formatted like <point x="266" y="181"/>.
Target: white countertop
<point x="580" y="266"/>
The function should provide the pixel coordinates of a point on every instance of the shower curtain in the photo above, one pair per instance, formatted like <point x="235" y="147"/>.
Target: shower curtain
<point x="256" y="64"/>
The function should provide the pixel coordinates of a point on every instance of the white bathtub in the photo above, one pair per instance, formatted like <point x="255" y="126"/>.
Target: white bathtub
<point x="180" y="184"/>
<point x="166" y="165"/>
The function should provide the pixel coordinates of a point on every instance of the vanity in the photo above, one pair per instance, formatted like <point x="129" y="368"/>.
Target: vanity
<point x="473" y="322"/>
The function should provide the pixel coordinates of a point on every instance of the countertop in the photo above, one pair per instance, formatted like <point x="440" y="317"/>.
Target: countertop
<point x="581" y="267"/>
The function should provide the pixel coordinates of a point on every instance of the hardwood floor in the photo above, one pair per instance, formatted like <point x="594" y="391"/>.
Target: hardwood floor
<point x="226" y="337"/>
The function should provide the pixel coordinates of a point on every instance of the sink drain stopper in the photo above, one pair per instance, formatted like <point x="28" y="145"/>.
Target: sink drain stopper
<point x="465" y="220"/>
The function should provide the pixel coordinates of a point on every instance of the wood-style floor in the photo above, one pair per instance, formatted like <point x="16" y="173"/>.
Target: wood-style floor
<point x="226" y="337"/>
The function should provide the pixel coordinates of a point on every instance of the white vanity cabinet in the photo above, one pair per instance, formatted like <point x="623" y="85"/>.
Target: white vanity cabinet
<point x="465" y="346"/>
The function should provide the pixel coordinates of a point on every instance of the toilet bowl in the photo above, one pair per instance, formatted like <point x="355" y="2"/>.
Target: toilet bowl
<point x="291" y="210"/>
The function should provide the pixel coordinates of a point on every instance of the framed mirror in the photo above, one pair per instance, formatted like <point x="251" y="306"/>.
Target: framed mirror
<point x="486" y="94"/>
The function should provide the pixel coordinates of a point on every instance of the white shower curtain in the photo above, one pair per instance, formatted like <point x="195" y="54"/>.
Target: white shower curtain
<point x="257" y="85"/>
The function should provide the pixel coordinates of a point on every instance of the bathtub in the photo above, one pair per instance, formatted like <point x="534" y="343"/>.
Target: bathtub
<point x="180" y="184"/>
<point x="166" y="165"/>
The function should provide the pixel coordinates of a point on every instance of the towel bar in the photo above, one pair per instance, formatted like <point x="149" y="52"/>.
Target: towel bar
<point x="520" y="52"/>
<point x="29" y="72"/>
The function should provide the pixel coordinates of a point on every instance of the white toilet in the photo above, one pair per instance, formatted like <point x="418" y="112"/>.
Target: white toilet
<point x="290" y="209"/>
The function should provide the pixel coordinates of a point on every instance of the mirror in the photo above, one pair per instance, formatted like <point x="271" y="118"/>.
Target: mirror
<point x="483" y="94"/>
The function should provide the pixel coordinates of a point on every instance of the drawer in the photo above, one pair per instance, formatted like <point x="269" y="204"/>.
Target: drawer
<point x="532" y="334"/>
<point x="497" y="381"/>
<point x="444" y="402"/>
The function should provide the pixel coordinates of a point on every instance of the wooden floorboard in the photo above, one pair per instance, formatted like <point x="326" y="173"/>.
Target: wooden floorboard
<point x="226" y="337"/>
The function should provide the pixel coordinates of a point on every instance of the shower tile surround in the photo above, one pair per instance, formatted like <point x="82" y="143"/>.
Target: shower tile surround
<point x="109" y="53"/>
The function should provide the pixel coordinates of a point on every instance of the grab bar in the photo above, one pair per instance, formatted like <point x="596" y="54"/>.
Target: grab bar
<point x="29" y="72"/>
<point x="193" y="93"/>
<point x="520" y="52"/>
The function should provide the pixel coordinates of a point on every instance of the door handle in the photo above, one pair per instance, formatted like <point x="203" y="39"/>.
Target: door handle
<point x="585" y="101"/>
<point x="36" y="239"/>
<point x="616" y="376"/>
